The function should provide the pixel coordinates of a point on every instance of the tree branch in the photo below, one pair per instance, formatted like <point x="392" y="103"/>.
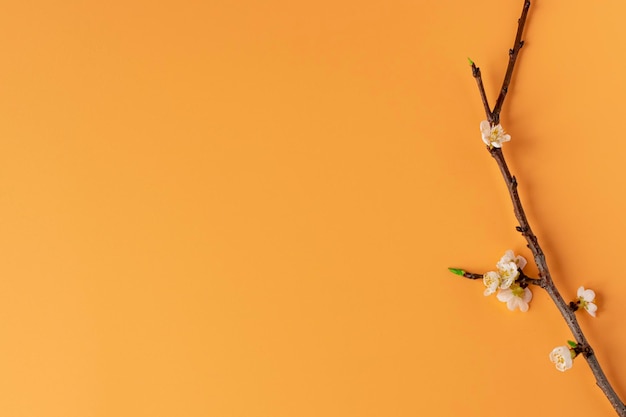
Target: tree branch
<point x="481" y="89"/>
<point x="470" y="275"/>
<point x="547" y="283"/>
<point x="545" y="279"/>
<point x="523" y="279"/>
<point x="513" y="53"/>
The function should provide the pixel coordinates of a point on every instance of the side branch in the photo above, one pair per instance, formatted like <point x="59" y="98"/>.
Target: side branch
<point x="481" y="88"/>
<point x="471" y="275"/>
<point x="513" y="53"/>
<point x="524" y="280"/>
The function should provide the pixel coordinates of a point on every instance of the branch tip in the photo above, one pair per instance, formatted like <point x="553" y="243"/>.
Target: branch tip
<point x="457" y="271"/>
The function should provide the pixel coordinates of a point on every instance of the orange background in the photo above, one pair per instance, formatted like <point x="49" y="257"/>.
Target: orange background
<point x="246" y="209"/>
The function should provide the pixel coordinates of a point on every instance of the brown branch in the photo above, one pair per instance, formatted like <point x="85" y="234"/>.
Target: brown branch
<point x="545" y="279"/>
<point x="523" y="279"/>
<point x="471" y="275"/>
<point x="481" y="88"/>
<point x="548" y="285"/>
<point x="513" y="53"/>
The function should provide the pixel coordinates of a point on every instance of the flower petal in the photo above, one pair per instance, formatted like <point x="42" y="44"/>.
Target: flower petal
<point x="508" y="256"/>
<point x="591" y="309"/>
<point x="505" y="295"/>
<point x="523" y="306"/>
<point x="588" y="295"/>
<point x="512" y="303"/>
<point x="485" y="128"/>
<point x="528" y="295"/>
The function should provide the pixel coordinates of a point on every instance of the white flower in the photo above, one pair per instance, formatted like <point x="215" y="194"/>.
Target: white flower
<point x="516" y="296"/>
<point x="491" y="280"/>
<point x="508" y="267"/>
<point x="509" y="256"/>
<point x="493" y="136"/>
<point x="585" y="299"/>
<point x="508" y="273"/>
<point x="562" y="358"/>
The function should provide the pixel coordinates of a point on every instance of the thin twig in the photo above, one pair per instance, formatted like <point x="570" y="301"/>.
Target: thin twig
<point x="481" y="88"/>
<point x="513" y="53"/>
<point x="470" y="275"/>
<point x="523" y="279"/>
<point x="545" y="279"/>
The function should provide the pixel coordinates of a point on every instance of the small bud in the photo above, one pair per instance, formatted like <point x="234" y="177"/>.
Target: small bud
<point x="457" y="271"/>
<point x="470" y="61"/>
<point x="572" y="344"/>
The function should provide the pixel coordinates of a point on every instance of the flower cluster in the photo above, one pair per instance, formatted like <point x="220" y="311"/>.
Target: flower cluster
<point x="493" y="135"/>
<point x="504" y="280"/>
<point x="511" y="285"/>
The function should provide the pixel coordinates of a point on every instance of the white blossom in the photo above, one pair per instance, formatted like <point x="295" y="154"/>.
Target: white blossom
<point x="585" y="299"/>
<point x="509" y="256"/>
<point x="508" y="267"/>
<point x="508" y="274"/>
<point x="516" y="297"/>
<point x="493" y="136"/>
<point x="491" y="280"/>
<point x="562" y="358"/>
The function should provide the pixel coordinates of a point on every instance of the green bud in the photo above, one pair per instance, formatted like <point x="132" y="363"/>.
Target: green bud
<point x="470" y="61"/>
<point x="457" y="271"/>
<point x="572" y="344"/>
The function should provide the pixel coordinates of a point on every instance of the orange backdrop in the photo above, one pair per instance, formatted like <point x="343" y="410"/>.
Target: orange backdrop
<point x="247" y="208"/>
